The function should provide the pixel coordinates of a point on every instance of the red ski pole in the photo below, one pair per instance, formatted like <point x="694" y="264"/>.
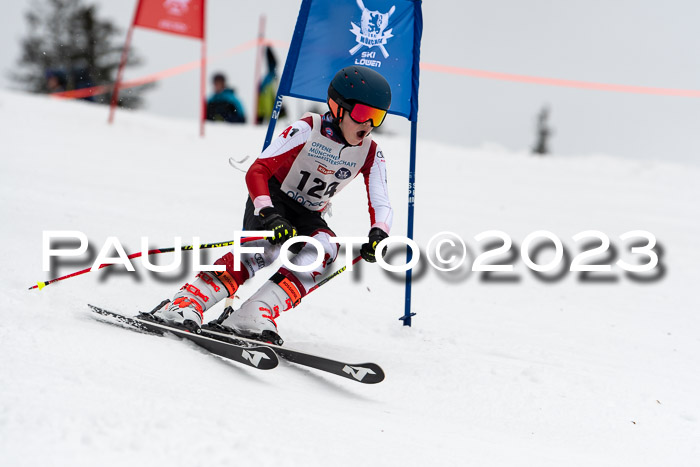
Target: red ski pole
<point x="41" y="285"/>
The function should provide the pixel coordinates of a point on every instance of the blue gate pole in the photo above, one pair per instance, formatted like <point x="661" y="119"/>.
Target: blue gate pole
<point x="273" y="121"/>
<point x="406" y="318"/>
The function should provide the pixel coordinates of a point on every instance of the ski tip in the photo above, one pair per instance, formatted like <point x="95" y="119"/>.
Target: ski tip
<point x="367" y="373"/>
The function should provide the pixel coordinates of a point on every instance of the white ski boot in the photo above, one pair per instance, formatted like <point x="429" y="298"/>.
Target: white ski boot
<point x="183" y="310"/>
<point x="189" y="304"/>
<point x="256" y="317"/>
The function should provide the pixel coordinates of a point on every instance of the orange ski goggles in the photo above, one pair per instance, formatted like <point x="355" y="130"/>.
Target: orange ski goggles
<point x="360" y="113"/>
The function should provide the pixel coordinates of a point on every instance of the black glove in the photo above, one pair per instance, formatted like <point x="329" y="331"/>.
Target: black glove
<point x="368" y="249"/>
<point x="282" y="229"/>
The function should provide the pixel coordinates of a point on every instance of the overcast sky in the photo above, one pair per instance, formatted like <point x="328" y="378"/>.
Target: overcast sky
<point x="644" y="43"/>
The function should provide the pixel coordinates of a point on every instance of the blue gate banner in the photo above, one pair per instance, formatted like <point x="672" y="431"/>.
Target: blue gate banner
<point x="332" y="34"/>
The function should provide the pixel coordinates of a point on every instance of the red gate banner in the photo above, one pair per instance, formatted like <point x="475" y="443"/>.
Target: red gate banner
<point x="183" y="17"/>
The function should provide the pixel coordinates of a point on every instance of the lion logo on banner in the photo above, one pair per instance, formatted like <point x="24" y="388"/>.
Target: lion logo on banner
<point x="371" y="32"/>
<point x="176" y="7"/>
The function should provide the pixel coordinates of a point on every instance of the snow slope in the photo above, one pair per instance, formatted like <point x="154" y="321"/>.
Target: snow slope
<point x="499" y="373"/>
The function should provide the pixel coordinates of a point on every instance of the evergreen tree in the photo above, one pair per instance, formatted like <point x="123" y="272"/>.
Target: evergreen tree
<point x="69" y="43"/>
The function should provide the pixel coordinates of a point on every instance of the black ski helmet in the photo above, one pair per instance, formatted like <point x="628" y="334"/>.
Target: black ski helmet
<point x="355" y="84"/>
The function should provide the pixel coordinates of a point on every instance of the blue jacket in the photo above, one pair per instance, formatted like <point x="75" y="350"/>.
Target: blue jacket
<point x="225" y="106"/>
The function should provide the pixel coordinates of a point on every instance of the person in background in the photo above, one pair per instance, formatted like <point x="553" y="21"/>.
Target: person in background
<point x="55" y="81"/>
<point x="544" y="132"/>
<point x="82" y="80"/>
<point x="267" y="92"/>
<point x="224" y="105"/>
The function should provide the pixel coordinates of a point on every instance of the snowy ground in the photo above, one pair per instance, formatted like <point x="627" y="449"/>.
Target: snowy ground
<point x="500" y="373"/>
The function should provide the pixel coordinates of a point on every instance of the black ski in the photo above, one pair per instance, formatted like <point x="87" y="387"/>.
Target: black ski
<point x="367" y="373"/>
<point x="254" y="354"/>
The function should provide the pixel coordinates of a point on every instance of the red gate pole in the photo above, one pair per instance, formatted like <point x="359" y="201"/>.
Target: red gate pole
<point x="122" y="63"/>
<point x="203" y="74"/>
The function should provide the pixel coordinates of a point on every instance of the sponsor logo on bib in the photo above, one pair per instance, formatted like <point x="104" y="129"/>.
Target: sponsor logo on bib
<point x="324" y="170"/>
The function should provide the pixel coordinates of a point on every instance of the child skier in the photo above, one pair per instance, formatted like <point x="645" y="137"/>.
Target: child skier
<point x="290" y="185"/>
